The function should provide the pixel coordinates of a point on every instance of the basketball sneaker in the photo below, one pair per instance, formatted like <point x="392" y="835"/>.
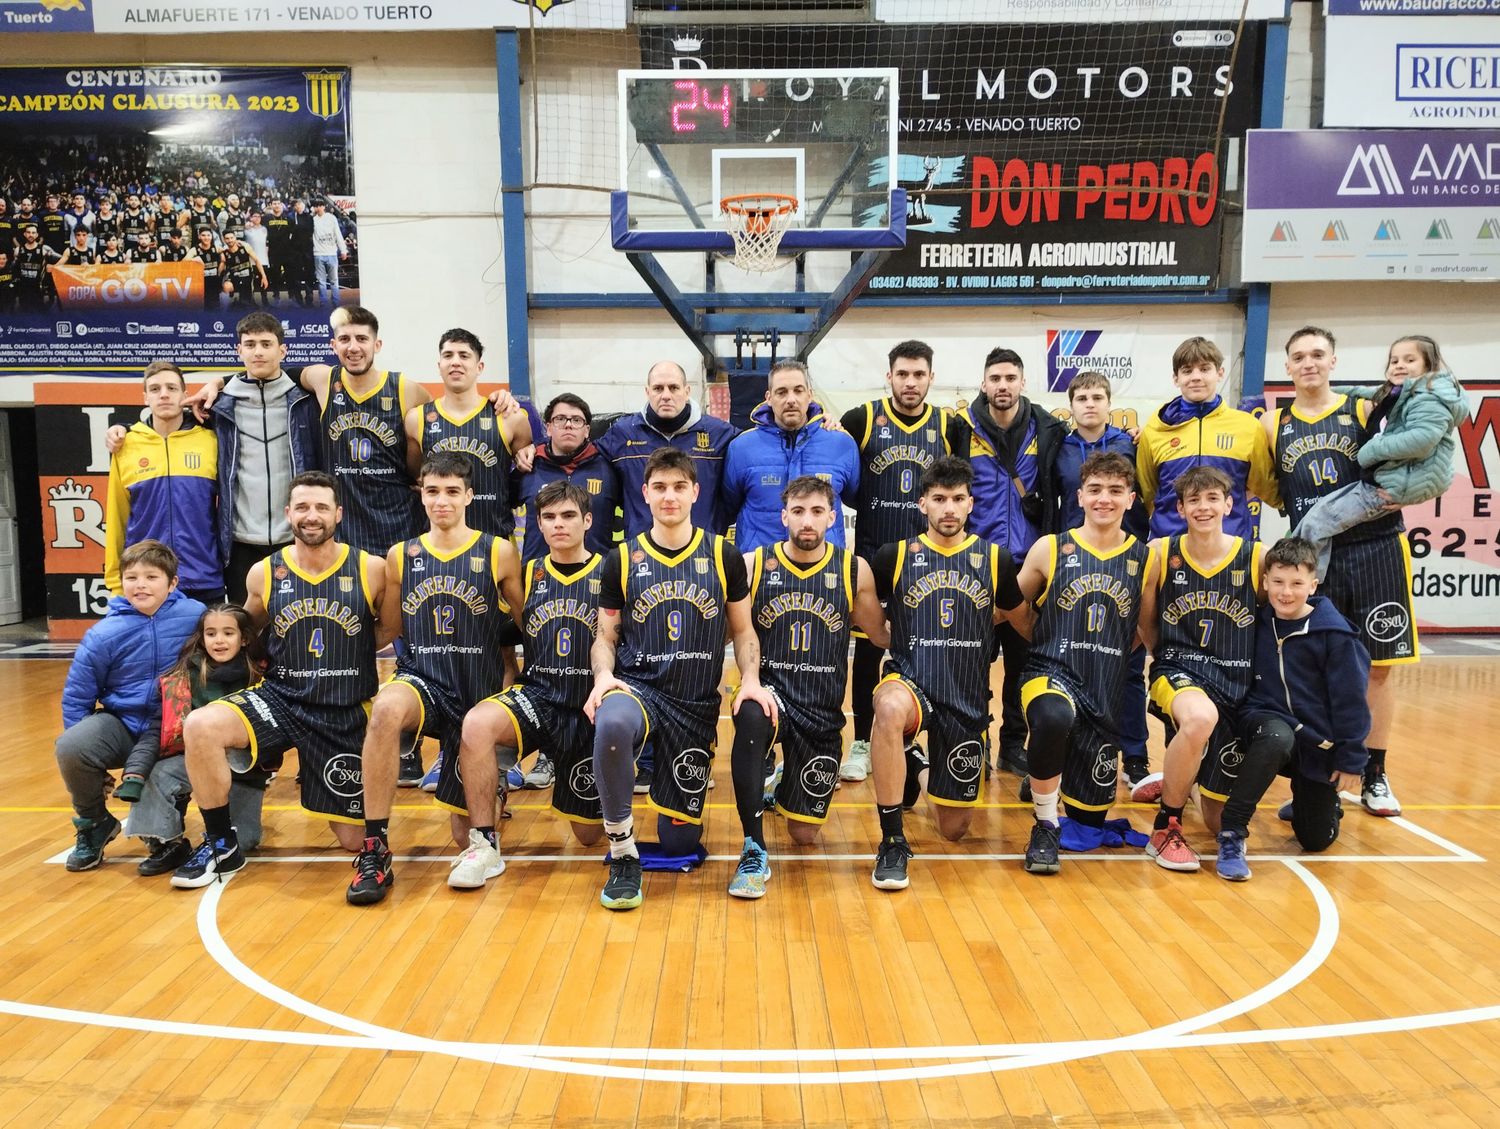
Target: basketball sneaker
<point x="916" y="761"/>
<point x="768" y="789"/>
<point x="410" y="773"/>
<point x="479" y="862"/>
<point x="622" y="889"/>
<point x="1041" y="851"/>
<point x="430" y="781"/>
<point x="1377" y="797"/>
<point x="165" y="857"/>
<point x="642" y="784"/>
<point x="856" y="766"/>
<point x="1170" y="849"/>
<point x="373" y="875"/>
<point x="213" y="861"/>
<point x="1232" y="866"/>
<point x="890" y="864"/>
<point x="92" y="837"/>
<point x="1146" y="790"/>
<point x="1013" y="759"/>
<point x="1284" y="812"/>
<point x="541" y="774"/>
<point x="1136" y="769"/>
<point x="750" y="876"/>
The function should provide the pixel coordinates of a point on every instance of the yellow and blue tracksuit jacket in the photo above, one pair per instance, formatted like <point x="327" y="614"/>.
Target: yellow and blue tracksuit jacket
<point x="166" y="489"/>
<point x="1225" y="438"/>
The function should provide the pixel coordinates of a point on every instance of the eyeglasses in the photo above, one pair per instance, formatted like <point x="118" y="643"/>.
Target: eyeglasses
<point x="568" y="421"/>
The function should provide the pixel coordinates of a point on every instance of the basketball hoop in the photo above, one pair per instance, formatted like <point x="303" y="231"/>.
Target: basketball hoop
<point x="756" y="222"/>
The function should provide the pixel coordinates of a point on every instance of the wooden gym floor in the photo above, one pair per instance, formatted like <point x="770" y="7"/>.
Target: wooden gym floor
<point x="1360" y="987"/>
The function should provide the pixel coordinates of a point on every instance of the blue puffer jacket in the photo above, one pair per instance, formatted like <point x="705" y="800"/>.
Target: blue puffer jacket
<point x="1314" y="681"/>
<point x="121" y="658"/>
<point x="1412" y="459"/>
<point x="764" y="459"/>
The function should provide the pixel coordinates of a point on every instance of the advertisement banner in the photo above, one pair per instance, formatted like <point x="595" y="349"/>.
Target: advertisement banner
<point x="1369" y="204"/>
<point x="1455" y="540"/>
<point x="140" y="17"/>
<point x="190" y="192"/>
<point x="1432" y="73"/>
<point x="1049" y="159"/>
<point x="1109" y="351"/>
<point x="1408" y="8"/>
<point x="1080" y="11"/>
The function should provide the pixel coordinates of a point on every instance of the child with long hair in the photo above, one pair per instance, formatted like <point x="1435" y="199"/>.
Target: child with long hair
<point x="1407" y="461"/>
<point x="222" y="656"/>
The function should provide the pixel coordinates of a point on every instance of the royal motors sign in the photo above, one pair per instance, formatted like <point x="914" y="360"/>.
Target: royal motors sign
<point x="1369" y="204"/>
<point x="1436" y="73"/>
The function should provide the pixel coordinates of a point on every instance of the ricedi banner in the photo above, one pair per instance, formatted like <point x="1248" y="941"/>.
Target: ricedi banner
<point x="1042" y="158"/>
<point x="149" y="208"/>
<point x="1438" y="73"/>
<point x="1369" y="204"/>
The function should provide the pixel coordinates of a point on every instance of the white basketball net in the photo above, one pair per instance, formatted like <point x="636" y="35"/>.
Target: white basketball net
<point x="756" y="224"/>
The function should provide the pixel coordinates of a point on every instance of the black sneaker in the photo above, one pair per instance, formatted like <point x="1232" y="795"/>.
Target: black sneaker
<point x="1013" y="759"/>
<point x="1041" y="852"/>
<point x="1136" y="770"/>
<point x="642" y="783"/>
<point x="916" y="762"/>
<point x="622" y="889"/>
<point x="890" y="864"/>
<point x="409" y="775"/>
<point x="165" y="857"/>
<point x="1024" y="792"/>
<point x="92" y="835"/>
<point x="373" y="875"/>
<point x="213" y="861"/>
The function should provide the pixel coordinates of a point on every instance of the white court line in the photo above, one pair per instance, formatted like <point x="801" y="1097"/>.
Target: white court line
<point x="1016" y="1056"/>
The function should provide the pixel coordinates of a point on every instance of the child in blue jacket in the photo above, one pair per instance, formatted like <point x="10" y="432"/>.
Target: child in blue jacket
<point x="1306" y="715"/>
<point x="1410" y="461"/>
<point x="111" y="697"/>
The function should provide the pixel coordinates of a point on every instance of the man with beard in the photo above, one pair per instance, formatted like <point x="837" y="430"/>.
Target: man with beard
<point x="1014" y="453"/>
<point x="315" y="602"/>
<point x="568" y="455"/>
<point x="33" y="294"/>
<point x="899" y="436"/>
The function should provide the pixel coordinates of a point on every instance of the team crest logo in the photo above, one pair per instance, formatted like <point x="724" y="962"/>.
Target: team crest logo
<point x="1346" y="420"/>
<point x="325" y="93"/>
<point x="413" y="549"/>
<point x="595" y="586"/>
<point x="976" y="559"/>
<point x="1132" y="567"/>
<point x="830" y="581"/>
<point x="485" y="423"/>
<point x="1175" y="561"/>
<point x="1224" y="442"/>
<point x="638" y="556"/>
<point x="346" y="584"/>
<point x="822" y="474"/>
<point x="280" y="572"/>
<point x="476" y="564"/>
<point x="1067" y="547"/>
<point x="387" y="403"/>
<point x="701" y="565"/>
<point x="703" y="440"/>
<point x="932" y="435"/>
<point x="1236" y="576"/>
<point x="595" y="486"/>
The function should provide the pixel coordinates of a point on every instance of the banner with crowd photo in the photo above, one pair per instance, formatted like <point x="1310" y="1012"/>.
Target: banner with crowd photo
<point x="135" y="153"/>
<point x="1455" y="540"/>
<point x="1045" y="159"/>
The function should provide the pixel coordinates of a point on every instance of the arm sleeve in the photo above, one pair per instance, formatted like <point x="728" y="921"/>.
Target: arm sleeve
<point x="1423" y="426"/>
<point x="853" y="421"/>
<point x="81" y="690"/>
<point x="1008" y="595"/>
<point x="116" y="517"/>
<point x="1348" y="668"/>
<point x="884" y="568"/>
<point x="736" y="576"/>
<point x="611" y="598"/>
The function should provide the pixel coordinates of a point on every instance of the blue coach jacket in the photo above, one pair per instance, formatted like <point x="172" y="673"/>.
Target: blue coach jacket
<point x="703" y="438"/>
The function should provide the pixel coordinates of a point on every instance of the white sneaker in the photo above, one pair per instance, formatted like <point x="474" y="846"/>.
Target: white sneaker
<point x="477" y="865"/>
<point x="1146" y="790"/>
<point x="1377" y="797"/>
<point x="856" y="765"/>
<point x="541" y="775"/>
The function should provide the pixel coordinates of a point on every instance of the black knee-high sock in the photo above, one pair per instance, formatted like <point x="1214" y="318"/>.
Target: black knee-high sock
<point x="747" y="767"/>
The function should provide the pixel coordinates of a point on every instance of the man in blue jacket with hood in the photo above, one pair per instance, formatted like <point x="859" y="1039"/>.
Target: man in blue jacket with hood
<point x="789" y="440"/>
<point x="111" y="695"/>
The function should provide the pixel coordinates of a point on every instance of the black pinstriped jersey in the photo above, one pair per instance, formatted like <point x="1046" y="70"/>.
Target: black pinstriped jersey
<point x="364" y="447"/>
<point x="451" y="615"/>
<point x="1206" y="616"/>
<point x="1316" y="455"/>
<point x="673" y="619"/>
<point x="1087" y="617"/>
<point x="320" y="630"/>
<point x="893" y="456"/>
<point x="803" y="615"/>
<point x="479" y="437"/>
<point x="560" y="620"/>
<point x="942" y="609"/>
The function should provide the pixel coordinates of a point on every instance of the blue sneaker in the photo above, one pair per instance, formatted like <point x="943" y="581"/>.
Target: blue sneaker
<point x="750" y="876"/>
<point x="430" y="781"/>
<point x="515" y="779"/>
<point x="768" y="794"/>
<point x="1232" y="866"/>
<point x="1284" y="812"/>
